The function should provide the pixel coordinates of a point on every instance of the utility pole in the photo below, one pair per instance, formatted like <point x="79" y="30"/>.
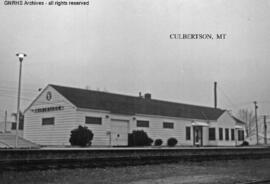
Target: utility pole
<point x="256" y="121"/>
<point x="265" y="129"/>
<point x="5" y="130"/>
<point x="215" y="94"/>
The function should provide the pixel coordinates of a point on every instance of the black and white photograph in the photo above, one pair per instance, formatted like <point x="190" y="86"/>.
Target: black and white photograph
<point x="134" y="91"/>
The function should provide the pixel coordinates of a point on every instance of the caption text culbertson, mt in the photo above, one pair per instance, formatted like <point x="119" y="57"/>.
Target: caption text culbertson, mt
<point x="198" y="36"/>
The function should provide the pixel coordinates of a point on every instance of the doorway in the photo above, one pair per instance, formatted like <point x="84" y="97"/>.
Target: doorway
<point x="119" y="132"/>
<point x="197" y="136"/>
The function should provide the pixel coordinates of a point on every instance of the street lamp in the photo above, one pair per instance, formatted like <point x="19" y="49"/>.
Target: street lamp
<point x="256" y="121"/>
<point x="20" y="56"/>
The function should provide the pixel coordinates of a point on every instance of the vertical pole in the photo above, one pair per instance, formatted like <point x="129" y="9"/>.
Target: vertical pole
<point x="18" y="103"/>
<point x="5" y="130"/>
<point x="265" y="129"/>
<point x="215" y="94"/>
<point x="235" y="136"/>
<point x="256" y="121"/>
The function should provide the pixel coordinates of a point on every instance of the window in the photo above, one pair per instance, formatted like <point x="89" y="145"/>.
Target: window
<point x="21" y="125"/>
<point x="188" y="133"/>
<point x="47" y="121"/>
<point x="167" y="125"/>
<point x="93" y="120"/>
<point x="232" y="134"/>
<point x="220" y="133"/>
<point x="240" y="135"/>
<point x="227" y="134"/>
<point x="13" y="126"/>
<point x="212" y="134"/>
<point x="141" y="123"/>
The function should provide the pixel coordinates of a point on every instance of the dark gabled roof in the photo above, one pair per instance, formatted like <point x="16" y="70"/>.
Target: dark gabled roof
<point x="238" y="120"/>
<point x="130" y="105"/>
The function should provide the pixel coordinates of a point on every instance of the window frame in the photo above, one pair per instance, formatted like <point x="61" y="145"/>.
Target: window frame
<point x="13" y="126"/>
<point x="43" y="123"/>
<point x="220" y="133"/>
<point x="21" y="125"/>
<point x="139" y="123"/>
<point x="227" y="134"/>
<point x="95" y="120"/>
<point x="241" y="135"/>
<point x="232" y="134"/>
<point x="168" y="123"/>
<point x="212" y="137"/>
<point x="188" y="133"/>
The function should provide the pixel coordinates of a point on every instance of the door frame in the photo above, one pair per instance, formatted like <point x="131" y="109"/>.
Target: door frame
<point x="200" y="129"/>
<point x="111" y="133"/>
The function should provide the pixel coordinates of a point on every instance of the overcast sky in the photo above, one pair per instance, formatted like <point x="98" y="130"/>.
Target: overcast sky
<point x="124" y="47"/>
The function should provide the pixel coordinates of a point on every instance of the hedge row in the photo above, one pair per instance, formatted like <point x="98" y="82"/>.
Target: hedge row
<point x="83" y="137"/>
<point x="140" y="138"/>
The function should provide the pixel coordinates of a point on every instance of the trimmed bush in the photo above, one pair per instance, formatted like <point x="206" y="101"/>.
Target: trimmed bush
<point x="81" y="136"/>
<point x="139" y="138"/>
<point x="245" y="143"/>
<point x="172" y="142"/>
<point x="158" y="142"/>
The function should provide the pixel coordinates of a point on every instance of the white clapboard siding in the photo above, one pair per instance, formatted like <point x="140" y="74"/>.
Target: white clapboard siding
<point x="65" y="120"/>
<point x="156" y="130"/>
<point x="225" y="121"/>
<point x="101" y="136"/>
<point x="71" y="117"/>
<point x="213" y="142"/>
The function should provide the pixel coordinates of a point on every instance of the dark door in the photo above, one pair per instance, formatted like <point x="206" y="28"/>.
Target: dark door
<point x="197" y="136"/>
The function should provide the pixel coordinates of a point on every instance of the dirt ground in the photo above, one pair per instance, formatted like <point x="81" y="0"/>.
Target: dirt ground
<point x="206" y="172"/>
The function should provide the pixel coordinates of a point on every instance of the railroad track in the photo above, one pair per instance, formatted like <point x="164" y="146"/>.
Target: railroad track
<point x="257" y="182"/>
<point x="47" y="159"/>
<point x="72" y="164"/>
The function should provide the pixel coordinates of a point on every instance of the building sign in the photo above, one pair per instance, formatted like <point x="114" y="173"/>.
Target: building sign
<point x="48" y="109"/>
<point x="49" y="96"/>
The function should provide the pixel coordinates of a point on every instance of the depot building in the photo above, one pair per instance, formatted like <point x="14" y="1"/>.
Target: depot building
<point x="111" y="117"/>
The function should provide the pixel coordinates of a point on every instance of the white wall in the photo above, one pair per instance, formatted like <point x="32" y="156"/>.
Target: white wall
<point x="65" y="120"/>
<point x="213" y="142"/>
<point x="205" y="136"/>
<point x="70" y="117"/>
<point x="156" y="130"/>
<point x="101" y="137"/>
<point x="226" y="121"/>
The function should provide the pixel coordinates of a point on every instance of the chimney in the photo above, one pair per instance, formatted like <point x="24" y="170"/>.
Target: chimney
<point x="140" y="94"/>
<point x="147" y="96"/>
<point x="215" y="94"/>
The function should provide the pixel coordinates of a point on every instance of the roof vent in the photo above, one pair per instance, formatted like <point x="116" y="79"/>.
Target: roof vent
<point x="147" y="96"/>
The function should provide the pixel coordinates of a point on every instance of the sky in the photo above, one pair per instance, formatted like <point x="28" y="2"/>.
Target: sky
<point x="124" y="47"/>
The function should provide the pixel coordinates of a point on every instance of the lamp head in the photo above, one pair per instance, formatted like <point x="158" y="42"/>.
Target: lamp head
<point x="21" y="56"/>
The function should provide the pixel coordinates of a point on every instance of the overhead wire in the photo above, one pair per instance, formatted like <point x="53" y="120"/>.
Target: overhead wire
<point x="227" y="97"/>
<point x="14" y="96"/>
<point x="15" y="88"/>
<point x="236" y="105"/>
<point x="4" y="81"/>
<point x="24" y="86"/>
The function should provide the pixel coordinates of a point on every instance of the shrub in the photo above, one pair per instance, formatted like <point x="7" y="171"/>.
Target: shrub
<point x="245" y="143"/>
<point x="158" y="142"/>
<point x="81" y="136"/>
<point x="172" y="142"/>
<point x="139" y="138"/>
